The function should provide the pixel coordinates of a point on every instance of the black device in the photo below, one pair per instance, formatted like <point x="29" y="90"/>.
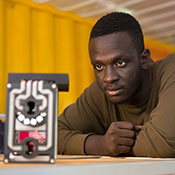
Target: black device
<point x="31" y="116"/>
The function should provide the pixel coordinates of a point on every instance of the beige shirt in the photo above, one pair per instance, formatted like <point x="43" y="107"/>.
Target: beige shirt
<point x="93" y="113"/>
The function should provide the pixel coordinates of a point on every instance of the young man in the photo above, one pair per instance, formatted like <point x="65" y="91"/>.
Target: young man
<point x="130" y="108"/>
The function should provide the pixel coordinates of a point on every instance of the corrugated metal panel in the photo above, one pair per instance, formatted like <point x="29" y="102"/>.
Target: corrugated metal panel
<point x="2" y="57"/>
<point x="157" y="17"/>
<point x="40" y="39"/>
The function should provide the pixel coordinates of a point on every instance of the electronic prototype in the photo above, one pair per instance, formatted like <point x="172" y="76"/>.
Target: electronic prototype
<point x="31" y="116"/>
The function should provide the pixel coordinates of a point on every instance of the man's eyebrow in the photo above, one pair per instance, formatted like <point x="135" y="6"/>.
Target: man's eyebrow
<point x="120" y="57"/>
<point x="124" y="57"/>
<point x="95" y="61"/>
<point x="117" y="57"/>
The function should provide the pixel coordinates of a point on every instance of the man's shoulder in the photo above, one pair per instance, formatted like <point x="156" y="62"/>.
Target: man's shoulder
<point x="93" y="90"/>
<point x="93" y="98"/>
<point x="168" y="60"/>
<point x="164" y="65"/>
<point x="163" y="71"/>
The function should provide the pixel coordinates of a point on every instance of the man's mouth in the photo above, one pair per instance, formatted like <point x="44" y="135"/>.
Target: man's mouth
<point x="114" y="92"/>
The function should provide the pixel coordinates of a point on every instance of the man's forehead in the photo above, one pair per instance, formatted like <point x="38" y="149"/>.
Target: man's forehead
<point x="113" y="37"/>
<point x="117" y="40"/>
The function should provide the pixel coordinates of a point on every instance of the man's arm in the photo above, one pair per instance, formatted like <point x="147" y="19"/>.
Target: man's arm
<point x="81" y="119"/>
<point x="83" y="128"/>
<point x="119" y="139"/>
<point x="157" y="137"/>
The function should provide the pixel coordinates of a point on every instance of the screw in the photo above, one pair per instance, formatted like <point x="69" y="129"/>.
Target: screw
<point x="6" y="161"/>
<point x="9" y="85"/>
<point x="54" y="86"/>
<point x="52" y="161"/>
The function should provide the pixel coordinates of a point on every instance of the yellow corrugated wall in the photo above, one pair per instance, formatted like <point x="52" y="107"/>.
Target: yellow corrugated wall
<point x="2" y="58"/>
<point x="38" y="38"/>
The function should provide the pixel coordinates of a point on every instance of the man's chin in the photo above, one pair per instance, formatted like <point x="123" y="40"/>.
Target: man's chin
<point x="117" y="100"/>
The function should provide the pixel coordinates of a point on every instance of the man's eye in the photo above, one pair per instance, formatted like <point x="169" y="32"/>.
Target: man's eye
<point x="98" y="67"/>
<point x="121" y="64"/>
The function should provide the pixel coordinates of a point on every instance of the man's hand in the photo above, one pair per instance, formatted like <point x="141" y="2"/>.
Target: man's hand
<point x="119" y="139"/>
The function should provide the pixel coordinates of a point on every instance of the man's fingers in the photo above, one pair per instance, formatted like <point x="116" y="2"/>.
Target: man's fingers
<point x="124" y="149"/>
<point x="126" y="125"/>
<point x="137" y="128"/>
<point x="122" y="129"/>
<point x="127" y="133"/>
<point x="120" y="137"/>
<point x="123" y="125"/>
<point x="126" y="141"/>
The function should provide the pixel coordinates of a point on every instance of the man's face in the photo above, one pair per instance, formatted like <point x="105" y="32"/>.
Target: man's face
<point x="117" y="66"/>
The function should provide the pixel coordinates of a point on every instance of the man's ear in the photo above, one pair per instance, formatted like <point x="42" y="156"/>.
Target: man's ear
<point x="145" y="58"/>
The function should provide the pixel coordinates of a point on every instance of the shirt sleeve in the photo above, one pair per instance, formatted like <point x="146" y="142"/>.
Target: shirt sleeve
<point x="157" y="137"/>
<point x="80" y="120"/>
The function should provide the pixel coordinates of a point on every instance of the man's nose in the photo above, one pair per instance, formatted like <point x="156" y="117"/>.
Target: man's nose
<point x="110" y="75"/>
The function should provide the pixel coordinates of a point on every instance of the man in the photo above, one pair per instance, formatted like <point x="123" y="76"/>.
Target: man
<point x="130" y="108"/>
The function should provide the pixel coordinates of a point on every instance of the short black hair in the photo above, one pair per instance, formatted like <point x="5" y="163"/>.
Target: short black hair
<point x="119" y="22"/>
